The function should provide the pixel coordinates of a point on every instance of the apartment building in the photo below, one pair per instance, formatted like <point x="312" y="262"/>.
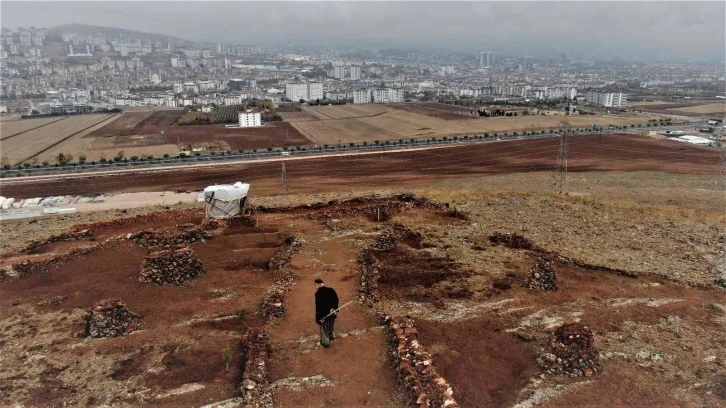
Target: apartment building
<point x="385" y="95"/>
<point x="250" y="118"/>
<point x="309" y="91"/>
<point x="607" y="99"/>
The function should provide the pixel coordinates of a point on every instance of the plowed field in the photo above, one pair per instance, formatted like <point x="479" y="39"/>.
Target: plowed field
<point x="616" y="153"/>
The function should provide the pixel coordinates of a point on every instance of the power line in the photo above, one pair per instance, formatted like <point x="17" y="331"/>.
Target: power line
<point x="721" y="145"/>
<point x="560" y="174"/>
<point x="284" y="178"/>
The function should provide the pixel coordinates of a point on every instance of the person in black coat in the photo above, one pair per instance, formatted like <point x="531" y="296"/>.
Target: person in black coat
<point x="326" y="301"/>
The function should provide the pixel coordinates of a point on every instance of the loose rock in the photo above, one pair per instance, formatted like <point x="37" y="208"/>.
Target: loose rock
<point x="110" y="318"/>
<point x="542" y="276"/>
<point x="175" y="265"/>
<point x="572" y="352"/>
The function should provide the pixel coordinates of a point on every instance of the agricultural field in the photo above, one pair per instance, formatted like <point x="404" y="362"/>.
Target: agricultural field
<point x="701" y="109"/>
<point x="718" y="109"/>
<point x="439" y="110"/>
<point x="345" y="111"/>
<point x="295" y="116"/>
<point x="393" y="124"/>
<point x="45" y="142"/>
<point x="139" y="122"/>
<point x="11" y="128"/>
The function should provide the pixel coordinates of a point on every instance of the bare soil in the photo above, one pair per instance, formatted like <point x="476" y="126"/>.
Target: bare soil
<point x="659" y="336"/>
<point x="587" y="154"/>
<point x="439" y="110"/>
<point x="184" y="329"/>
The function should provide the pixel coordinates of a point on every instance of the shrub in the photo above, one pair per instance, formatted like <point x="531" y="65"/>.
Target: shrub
<point x="227" y="356"/>
<point x="241" y="151"/>
<point x="150" y="157"/>
<point x="166" y="155"/>
<point x="199" y="154"/>
<point x="351" y="144"/>
<point x="45" y="164"/>
<point x="242" y="314"/>
<point x="117" y="159"/>
<point x="26" y="165"/>
<point x="269" y="149"/>
<point x="134" y="158"/>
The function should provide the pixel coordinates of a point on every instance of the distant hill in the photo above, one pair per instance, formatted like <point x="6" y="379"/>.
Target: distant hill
<point x="112" y="32"/>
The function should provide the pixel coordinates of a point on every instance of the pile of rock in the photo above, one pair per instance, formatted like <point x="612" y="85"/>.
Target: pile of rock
<point x="186" y="234"/>
<point x="66" y="236"/>
<point x="272" y="304"/>
<point x="110" y="318"/>
<point x="424" y="386"/>
<point x="542" y="275"/>
<point x="255" y="384"/>
<point x="280" y="260"/>
<point x="571" y="352"/>
<point x="510" y="240"/>
<point x="385" y="242"/>
<point x="370" y="274"/>
<point x="175" y="265"/>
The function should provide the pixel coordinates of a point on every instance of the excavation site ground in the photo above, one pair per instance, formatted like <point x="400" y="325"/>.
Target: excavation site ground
<point x="474" y="291"/>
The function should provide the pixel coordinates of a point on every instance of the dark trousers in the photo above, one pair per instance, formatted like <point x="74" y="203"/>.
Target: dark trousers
<point x="326" y="332"/>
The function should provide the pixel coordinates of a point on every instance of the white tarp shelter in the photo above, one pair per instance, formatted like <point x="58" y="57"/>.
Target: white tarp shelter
<point x="225" y="200"/>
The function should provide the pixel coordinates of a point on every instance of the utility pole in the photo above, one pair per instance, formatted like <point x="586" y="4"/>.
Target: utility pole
<point x="560" y="174"/>
<point x="284" y="178"/>
<point x="721" y="145"/>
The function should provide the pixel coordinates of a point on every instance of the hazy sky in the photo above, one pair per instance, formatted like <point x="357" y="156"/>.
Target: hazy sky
<point x="660" y="30"/>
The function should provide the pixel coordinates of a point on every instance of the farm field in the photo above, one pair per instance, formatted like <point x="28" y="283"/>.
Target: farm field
<point x="718" y="109"/>
<point x="397" y="124"/>
<point x="345" y="173"/>
<point x="137" y="122"/>
<point x="11" y="128"/>
<point x="439" y="110"/>
<point x="345" y="111"/>
<point x="295" y="116"/>
<point x="44" y="142"/>
<point x="145" y="133"/>
<point x="701" y="109"/>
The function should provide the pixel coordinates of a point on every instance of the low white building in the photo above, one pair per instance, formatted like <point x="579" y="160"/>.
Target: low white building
<point x="250" y="118"/>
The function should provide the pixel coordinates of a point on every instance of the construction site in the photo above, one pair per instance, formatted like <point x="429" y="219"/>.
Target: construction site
<point x="569" y="271"/>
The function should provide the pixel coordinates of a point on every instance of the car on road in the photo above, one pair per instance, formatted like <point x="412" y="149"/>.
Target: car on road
<point x="285" y="153"/>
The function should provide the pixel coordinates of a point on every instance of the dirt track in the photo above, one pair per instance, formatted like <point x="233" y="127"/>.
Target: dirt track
<point x="616" y="153"/>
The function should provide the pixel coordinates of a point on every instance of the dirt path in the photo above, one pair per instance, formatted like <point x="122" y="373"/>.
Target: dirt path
<point x="353" y="371"/>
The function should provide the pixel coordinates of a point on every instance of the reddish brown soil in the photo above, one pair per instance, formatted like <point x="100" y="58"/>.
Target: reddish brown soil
<point x="615" y="153"/>
<point x="419" y="276"/>
<point x="234" y="260"/>
<point x="439" y="110"/>
<point x="485" y="366"/>
<point x="160" y="118"/>
<point x="158" y="129"/>
<point x="277" y="134"/>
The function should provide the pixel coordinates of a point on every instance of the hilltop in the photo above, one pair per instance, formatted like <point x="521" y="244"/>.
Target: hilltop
<point x="113" y="32"/>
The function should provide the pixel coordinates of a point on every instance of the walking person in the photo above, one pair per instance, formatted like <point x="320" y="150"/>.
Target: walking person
<point x="326" y="301"/>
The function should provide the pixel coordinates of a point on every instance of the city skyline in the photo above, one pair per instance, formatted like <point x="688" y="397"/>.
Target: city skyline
<point x="672" y="31"/>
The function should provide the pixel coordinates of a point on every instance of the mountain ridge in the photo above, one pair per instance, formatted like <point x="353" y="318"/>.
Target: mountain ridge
<point x="113" y="32"/>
